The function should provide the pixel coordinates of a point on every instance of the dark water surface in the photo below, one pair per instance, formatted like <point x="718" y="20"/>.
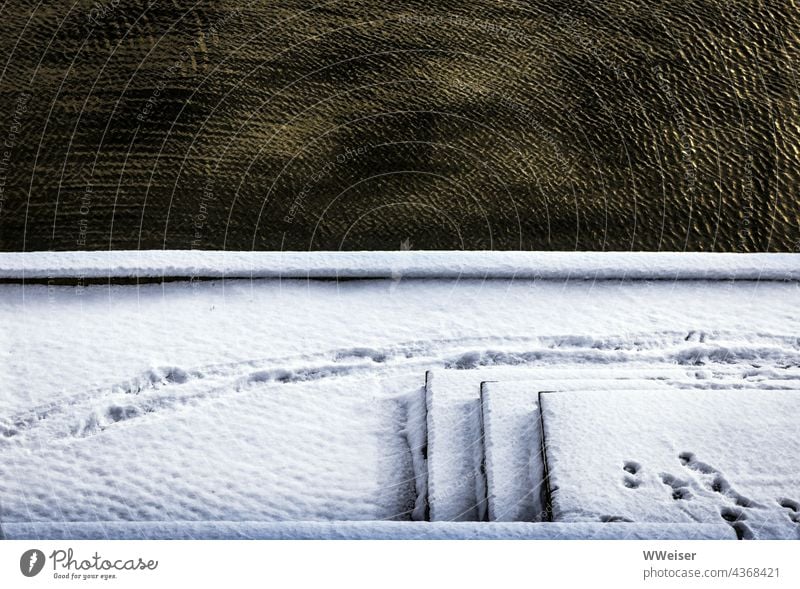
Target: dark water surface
<point x="361" y="124"/>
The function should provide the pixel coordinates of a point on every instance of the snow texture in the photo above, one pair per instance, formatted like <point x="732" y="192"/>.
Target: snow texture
<point x="271" y="452"/>
<point x="676" y="456"/>
<point x="409" y="264"/>
<point x="381" y="530"/>
<point x="128" y="338"/>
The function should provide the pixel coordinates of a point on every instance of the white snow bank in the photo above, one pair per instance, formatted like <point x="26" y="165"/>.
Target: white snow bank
<point x="676" y="456"/>
<point x="374" y="530"/>
<point x="327" y="449"/>
<point x="399" y="265"/>
<point x="172" y="380"/>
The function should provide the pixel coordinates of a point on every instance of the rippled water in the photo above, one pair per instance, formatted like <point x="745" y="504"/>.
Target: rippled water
<point x="360" y="124"/>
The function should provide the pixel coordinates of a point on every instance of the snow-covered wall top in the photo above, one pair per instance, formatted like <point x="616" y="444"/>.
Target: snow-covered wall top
<point x="399" y="264"/>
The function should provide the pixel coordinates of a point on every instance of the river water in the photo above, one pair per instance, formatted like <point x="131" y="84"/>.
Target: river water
<point x="360" y="124"/>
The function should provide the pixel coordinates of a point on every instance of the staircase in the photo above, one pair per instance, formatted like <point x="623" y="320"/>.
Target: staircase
<point x="493" y="456"/>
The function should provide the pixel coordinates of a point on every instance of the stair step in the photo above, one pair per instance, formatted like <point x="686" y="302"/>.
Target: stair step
<point x="512" y="441"/>
<point x="675" y="456"/>
<point x="456" y="487"/>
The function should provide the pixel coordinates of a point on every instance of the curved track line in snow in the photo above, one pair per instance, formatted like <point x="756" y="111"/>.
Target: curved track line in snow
<point x="170" y="388"/>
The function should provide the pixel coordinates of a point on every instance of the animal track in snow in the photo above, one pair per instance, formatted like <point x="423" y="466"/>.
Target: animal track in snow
<point x="632" y="467"/>
<point x="793" y="508"/>
<point x="378" y="356"/>
<point x="736" y="518"/>
<point x="171" y="387"/>
<point x="301" y="374"/>
<point x="679" y="487"/>
<point x="149" y="380"/>
<point x="731" y="514"/>
<point x="630" y="480"/>
<point x="714" y="480"/>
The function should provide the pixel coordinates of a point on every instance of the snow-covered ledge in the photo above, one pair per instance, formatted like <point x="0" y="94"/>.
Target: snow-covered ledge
<point x="398" y="264"/>
<point x="363" y="530"/>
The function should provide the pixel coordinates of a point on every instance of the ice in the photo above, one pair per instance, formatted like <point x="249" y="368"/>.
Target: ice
<point x="676" y="456"/>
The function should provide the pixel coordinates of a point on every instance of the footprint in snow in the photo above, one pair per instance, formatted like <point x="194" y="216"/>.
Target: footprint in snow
<point x="714" y="480"/>
<point x="793" y="508"/>
<point x="736" y="518"/>
<point x="679" y="487"/>
<point x="630" y="480"/>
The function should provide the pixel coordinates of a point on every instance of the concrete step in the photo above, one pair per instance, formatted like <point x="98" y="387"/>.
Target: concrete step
<point x="675" y="456"/>
<point x="512" y="442"/>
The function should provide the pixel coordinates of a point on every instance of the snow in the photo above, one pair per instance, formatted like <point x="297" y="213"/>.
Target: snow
<point x="277" y="400"/>
<point x="103" y="337"/>
<point x="456" y="488"/>
<point x="676" y="456"/>
<point x="304" y="451"/>
<point x="349" y="530"/>
<point x="407" y="264"/>
<point x="512" y="442"/>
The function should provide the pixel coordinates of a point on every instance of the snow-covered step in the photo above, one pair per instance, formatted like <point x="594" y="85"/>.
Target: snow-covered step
<point x="512" y="441"/>
<point x="676" y="456"/>
<point x="368" y="530"/>
<point x="456" y="482"/>
<point x="456" y="487"/>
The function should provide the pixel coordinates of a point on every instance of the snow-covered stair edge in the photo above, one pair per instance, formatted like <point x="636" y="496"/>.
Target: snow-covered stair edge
<point x="398" y="265"/>
<point x="362" y="530"/>
<point x="416" y="435"/>
<point x="528" y="502"/>
<point x="454" y="494"/>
